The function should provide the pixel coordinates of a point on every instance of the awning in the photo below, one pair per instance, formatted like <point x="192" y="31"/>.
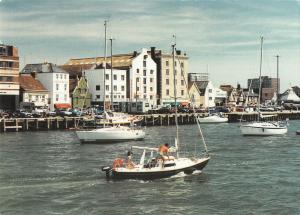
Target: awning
<point x="62" y="105"/>
<point x="184" y="103"/>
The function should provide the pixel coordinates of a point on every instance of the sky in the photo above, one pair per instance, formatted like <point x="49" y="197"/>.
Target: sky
<point x="221" y="37"/>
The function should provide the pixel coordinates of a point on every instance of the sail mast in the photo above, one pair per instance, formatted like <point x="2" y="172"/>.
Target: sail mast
<point x="111" y="74"/>
<point x="277" y="92"/>
<point x="105" y="50"/>
<point x="260" y="68"/>
<point x="175" y="99"/>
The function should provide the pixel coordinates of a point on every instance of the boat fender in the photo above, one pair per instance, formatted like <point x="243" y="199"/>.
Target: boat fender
<point x="118" y="162"/>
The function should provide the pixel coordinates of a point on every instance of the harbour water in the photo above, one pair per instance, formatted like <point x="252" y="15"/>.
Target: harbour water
<point x="52" y="173"/>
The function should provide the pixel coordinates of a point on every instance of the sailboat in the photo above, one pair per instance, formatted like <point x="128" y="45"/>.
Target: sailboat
<point x="115" y="132"/>
<point x="263" y="128"/>
<point x="154" y="166"/>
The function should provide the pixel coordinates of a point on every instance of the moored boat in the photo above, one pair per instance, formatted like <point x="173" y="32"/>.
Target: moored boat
<point x="213" y="119"/>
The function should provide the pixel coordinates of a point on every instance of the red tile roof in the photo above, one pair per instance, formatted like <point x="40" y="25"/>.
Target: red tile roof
<point x="28" y="83"/>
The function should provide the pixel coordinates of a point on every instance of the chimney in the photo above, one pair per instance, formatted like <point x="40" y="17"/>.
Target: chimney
<point x="153" y="52"/>
<point x="33" y="74"/>
<point x="134" y="53"/>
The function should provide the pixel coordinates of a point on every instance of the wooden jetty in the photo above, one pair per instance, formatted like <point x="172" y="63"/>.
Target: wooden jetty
<point x="54" y="123"/>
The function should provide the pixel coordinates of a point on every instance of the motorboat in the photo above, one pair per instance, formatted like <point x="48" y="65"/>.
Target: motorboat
<point x="110" y="134"/>
<point x="154" y="165"/>
<point x="213" y="119"/>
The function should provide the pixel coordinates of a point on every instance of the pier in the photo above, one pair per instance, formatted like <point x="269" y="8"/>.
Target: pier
<point x="63" y="123"/>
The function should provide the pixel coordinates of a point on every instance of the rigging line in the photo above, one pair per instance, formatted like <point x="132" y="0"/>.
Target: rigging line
<point x="194" y="111"/>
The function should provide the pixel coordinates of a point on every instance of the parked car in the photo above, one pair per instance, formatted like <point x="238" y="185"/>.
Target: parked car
<point x="63" y="112"/>
<point x="22" y="114"/>
<point x="50" y="113"/>
<point x="75" y="112"/>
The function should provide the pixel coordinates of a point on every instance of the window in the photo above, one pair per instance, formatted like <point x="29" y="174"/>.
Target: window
<point x="175" y="72"/>
<point x="107" y="96"/>
<point x="145" y="96"/>
<point x="151" y="80"/>
<point x="144" y="72"/>
<point x="151" y="88"/>
<point x="145" y="89"/>
<point x="137" y="79"/>
<point x="97" y="96"/>
<point x="65" y="86"/>
<point x="115" y="96"/>
<point x="175" y="63"/>
<point x="151" y="97"/>
<point x="115" y="88"/>
<point x="145" y="81"/>
<point x="65" y="97"/>
<point x="122" y="96"/>
<point x="151" y="71"/>
<point x="137" y="70"/>
<point x="30" y="98"/>
<point x="182" y="65"/>
<point x="97" y="87"/>
<point x="61" y="76"/>
<point x="210" y="98"/>
<point x="122" y="77"/>
<point x="56" y="76"/>
<point x="167" y="81"/>
<point x="167" y="71"/>
<point x="167" y="92"/>
<point x="210" y="90"/>
<point x="122" y="88"/>
<point x="182" y="92"/>
<point x="167" y="63"/>
<point x="57" y="86"/>
<point x="107" y="87"/>
<point x="65" y="76"/>
<point x="115" y="77"/>
<point x="182" y="82"/>
<point x="144" y="63"/>
<point x="107" y="76"/>
<point x="57" y="96"/>
<point x="137" y="89"/>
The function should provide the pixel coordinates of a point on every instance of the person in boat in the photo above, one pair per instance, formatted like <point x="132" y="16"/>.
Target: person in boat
<point x="163" y="152"/>
<point x="129" y="163"/>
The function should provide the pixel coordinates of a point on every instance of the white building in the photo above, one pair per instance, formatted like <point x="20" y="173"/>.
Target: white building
<point x="208" y="93"/>
<point x="142" y="81"/>
<point x="55" y="80"/>
<point x="141" y="78"/>
<point x="33" y="92"/>
<point x="97" y="86"/>
<point x="220" y="97"/>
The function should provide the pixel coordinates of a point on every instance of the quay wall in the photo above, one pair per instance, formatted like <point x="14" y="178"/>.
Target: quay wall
<point x="55" y="123"/>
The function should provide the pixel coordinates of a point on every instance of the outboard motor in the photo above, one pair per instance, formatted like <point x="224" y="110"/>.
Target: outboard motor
<point x="107" y="171"/>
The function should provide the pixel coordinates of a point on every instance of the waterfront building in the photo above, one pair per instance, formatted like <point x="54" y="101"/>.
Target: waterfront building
<point x="195" y="94"/>
<point x="220" y="97"/>
<point x="268" y="87"/>
<point x="113" y="86"/>
<point x="208" y="93"/>
<point x="198" y="77"/>
<point x="80" y="93"/>
<point x="55" y="80"/>
<point x="33" y="92"/>
<point x="9" y="77"/>
<point x="140" y="78"/>
<point x="165" y="76"/>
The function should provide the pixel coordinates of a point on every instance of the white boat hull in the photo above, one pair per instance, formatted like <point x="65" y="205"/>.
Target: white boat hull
<point x="110" y="134"/>
<point x="213" y="119"/>
<point x="263" y="129"/>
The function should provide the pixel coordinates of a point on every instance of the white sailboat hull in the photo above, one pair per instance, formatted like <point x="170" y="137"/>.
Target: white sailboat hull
<point x="263" y="129"/>
<point x="213" y="119"/>
<point x="110" y="134"/>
